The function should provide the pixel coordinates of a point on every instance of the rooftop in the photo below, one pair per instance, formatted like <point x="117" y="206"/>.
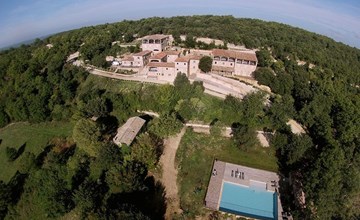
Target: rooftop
<point x="182" y="59"/>
<point x="188" y="57"/>
<point x="127" y="133"/>
<point x="143" y="53"/>
<point x="128" y="58"/>
<point x="161" y="64"/>
<point x="223" y="172"/>
<point x="155" y="37"/>
<point x="159" y="56"/>
<point x="235" y="54"/>
<point x="172" y="52"/>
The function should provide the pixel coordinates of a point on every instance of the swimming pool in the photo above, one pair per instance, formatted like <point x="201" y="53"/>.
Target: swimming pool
<point x="249" y="202"/>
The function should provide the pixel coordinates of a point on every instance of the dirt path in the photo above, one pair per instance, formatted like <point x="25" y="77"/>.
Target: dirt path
<point x="169" y="174"/>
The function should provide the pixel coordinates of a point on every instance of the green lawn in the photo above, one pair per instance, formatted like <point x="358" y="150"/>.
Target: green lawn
<point x="113" y="85"/>
<point x="195" y="157"/>
<point x="36" y="136"/>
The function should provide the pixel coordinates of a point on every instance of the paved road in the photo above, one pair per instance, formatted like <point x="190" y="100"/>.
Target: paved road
<point x="134" y="77"/>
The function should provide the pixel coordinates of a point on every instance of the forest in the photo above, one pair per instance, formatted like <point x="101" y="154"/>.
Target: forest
<point x="37" y="85"/>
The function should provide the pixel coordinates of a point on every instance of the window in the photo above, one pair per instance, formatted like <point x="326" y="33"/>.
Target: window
<point x="185" y="64"/>
<point x="177" y="63"/>
<point x="215" y="62"/>
<point x="162" y="74"/>
<point x="153" y="69"/>
<point x="177" y="69"/>
<point x="230" y="64"/>
<point x="138" y="58"/>
<point x="166" y="68"/>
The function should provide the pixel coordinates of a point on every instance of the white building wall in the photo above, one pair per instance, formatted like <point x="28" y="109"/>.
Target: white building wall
<point x="162" y="73"/>
<point x="244" y="70"/>
<point x="223" y="63"/>
<point x="153" y="47"/>
<point x="171" y="58"/>
<point x="182" y="67"/>
<point x="138" y="61"/>
<point x="127" y="63"/>
<point x="193" y="66"/>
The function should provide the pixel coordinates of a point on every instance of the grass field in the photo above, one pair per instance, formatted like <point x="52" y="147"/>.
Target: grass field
<point x="113" y="85"/>
<point x="35" y="136"/>
<point x="195" y="157"/>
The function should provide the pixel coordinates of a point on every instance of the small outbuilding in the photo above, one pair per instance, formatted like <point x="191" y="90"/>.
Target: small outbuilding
<point x="127" y="133"/>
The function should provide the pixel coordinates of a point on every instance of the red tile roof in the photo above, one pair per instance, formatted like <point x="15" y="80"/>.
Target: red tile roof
<point x="159" y="56"/>
<point x="143" y="53"/>
<point x="130" y="58"/>
<point x="182" y="59"/>
<point x="235" y="54"/>
<point x="172" y="52"/>
<point x="187" y="58"/>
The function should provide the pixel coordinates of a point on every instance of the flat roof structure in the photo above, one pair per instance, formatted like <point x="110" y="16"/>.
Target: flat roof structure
<point x="234" y="54"/>
<point x="127" y="133"/>
<point x="155" y="37"/>
<point x="244" y="191"/>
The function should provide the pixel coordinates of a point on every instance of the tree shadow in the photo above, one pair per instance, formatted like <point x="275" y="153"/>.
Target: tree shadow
<point x="81" y="175"/>
<point x="111" y="124"/>
<point x="41" y="157"/>
<point x="17" y="186"/>
<point x="151" y="202"/>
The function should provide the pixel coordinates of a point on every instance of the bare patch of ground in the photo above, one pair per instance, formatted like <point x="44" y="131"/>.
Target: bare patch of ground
<point x="296" y="128"/>
<point x="169" y="174"/>
<point x="262" y="138"/>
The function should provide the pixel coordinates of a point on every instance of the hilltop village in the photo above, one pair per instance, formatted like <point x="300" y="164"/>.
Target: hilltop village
<point x="159" y="59"/>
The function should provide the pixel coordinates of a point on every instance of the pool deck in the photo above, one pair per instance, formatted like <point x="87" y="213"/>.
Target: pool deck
<point x="229" y="172"/>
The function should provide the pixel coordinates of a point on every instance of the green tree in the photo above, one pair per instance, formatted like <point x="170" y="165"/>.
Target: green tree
<point x="244" y="136"/>
<point x="5" y="197"/>
<point x="125" y="178"/>
<point x="147" y="149"/>
<point x="87" y="136"/>
<point x="4" y="118"/>
<point x="165" y="126"/>
<point x="89" y="196"/>
<point x="27" y="162"/>
<point x="11" y="153"/>
<point x="97" y="107"/>
<point x="264" y="58"/>
<point x="205" y="64"/>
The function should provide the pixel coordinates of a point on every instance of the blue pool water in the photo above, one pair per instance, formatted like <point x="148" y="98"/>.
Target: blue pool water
<point x="248" y="202"/>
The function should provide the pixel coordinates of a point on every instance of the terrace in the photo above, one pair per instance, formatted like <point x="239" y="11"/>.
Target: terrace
<point x="244" y="191"/>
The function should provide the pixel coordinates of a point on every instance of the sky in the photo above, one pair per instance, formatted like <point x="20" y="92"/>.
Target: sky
<point x="22" y="20"/>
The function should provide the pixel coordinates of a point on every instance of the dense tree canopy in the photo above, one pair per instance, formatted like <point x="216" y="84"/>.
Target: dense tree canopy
<point x="314" y="80"/>
<point x="205" y="64"/>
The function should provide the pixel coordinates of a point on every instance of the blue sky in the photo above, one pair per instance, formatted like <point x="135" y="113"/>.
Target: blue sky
<point x="22" y="20"/>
